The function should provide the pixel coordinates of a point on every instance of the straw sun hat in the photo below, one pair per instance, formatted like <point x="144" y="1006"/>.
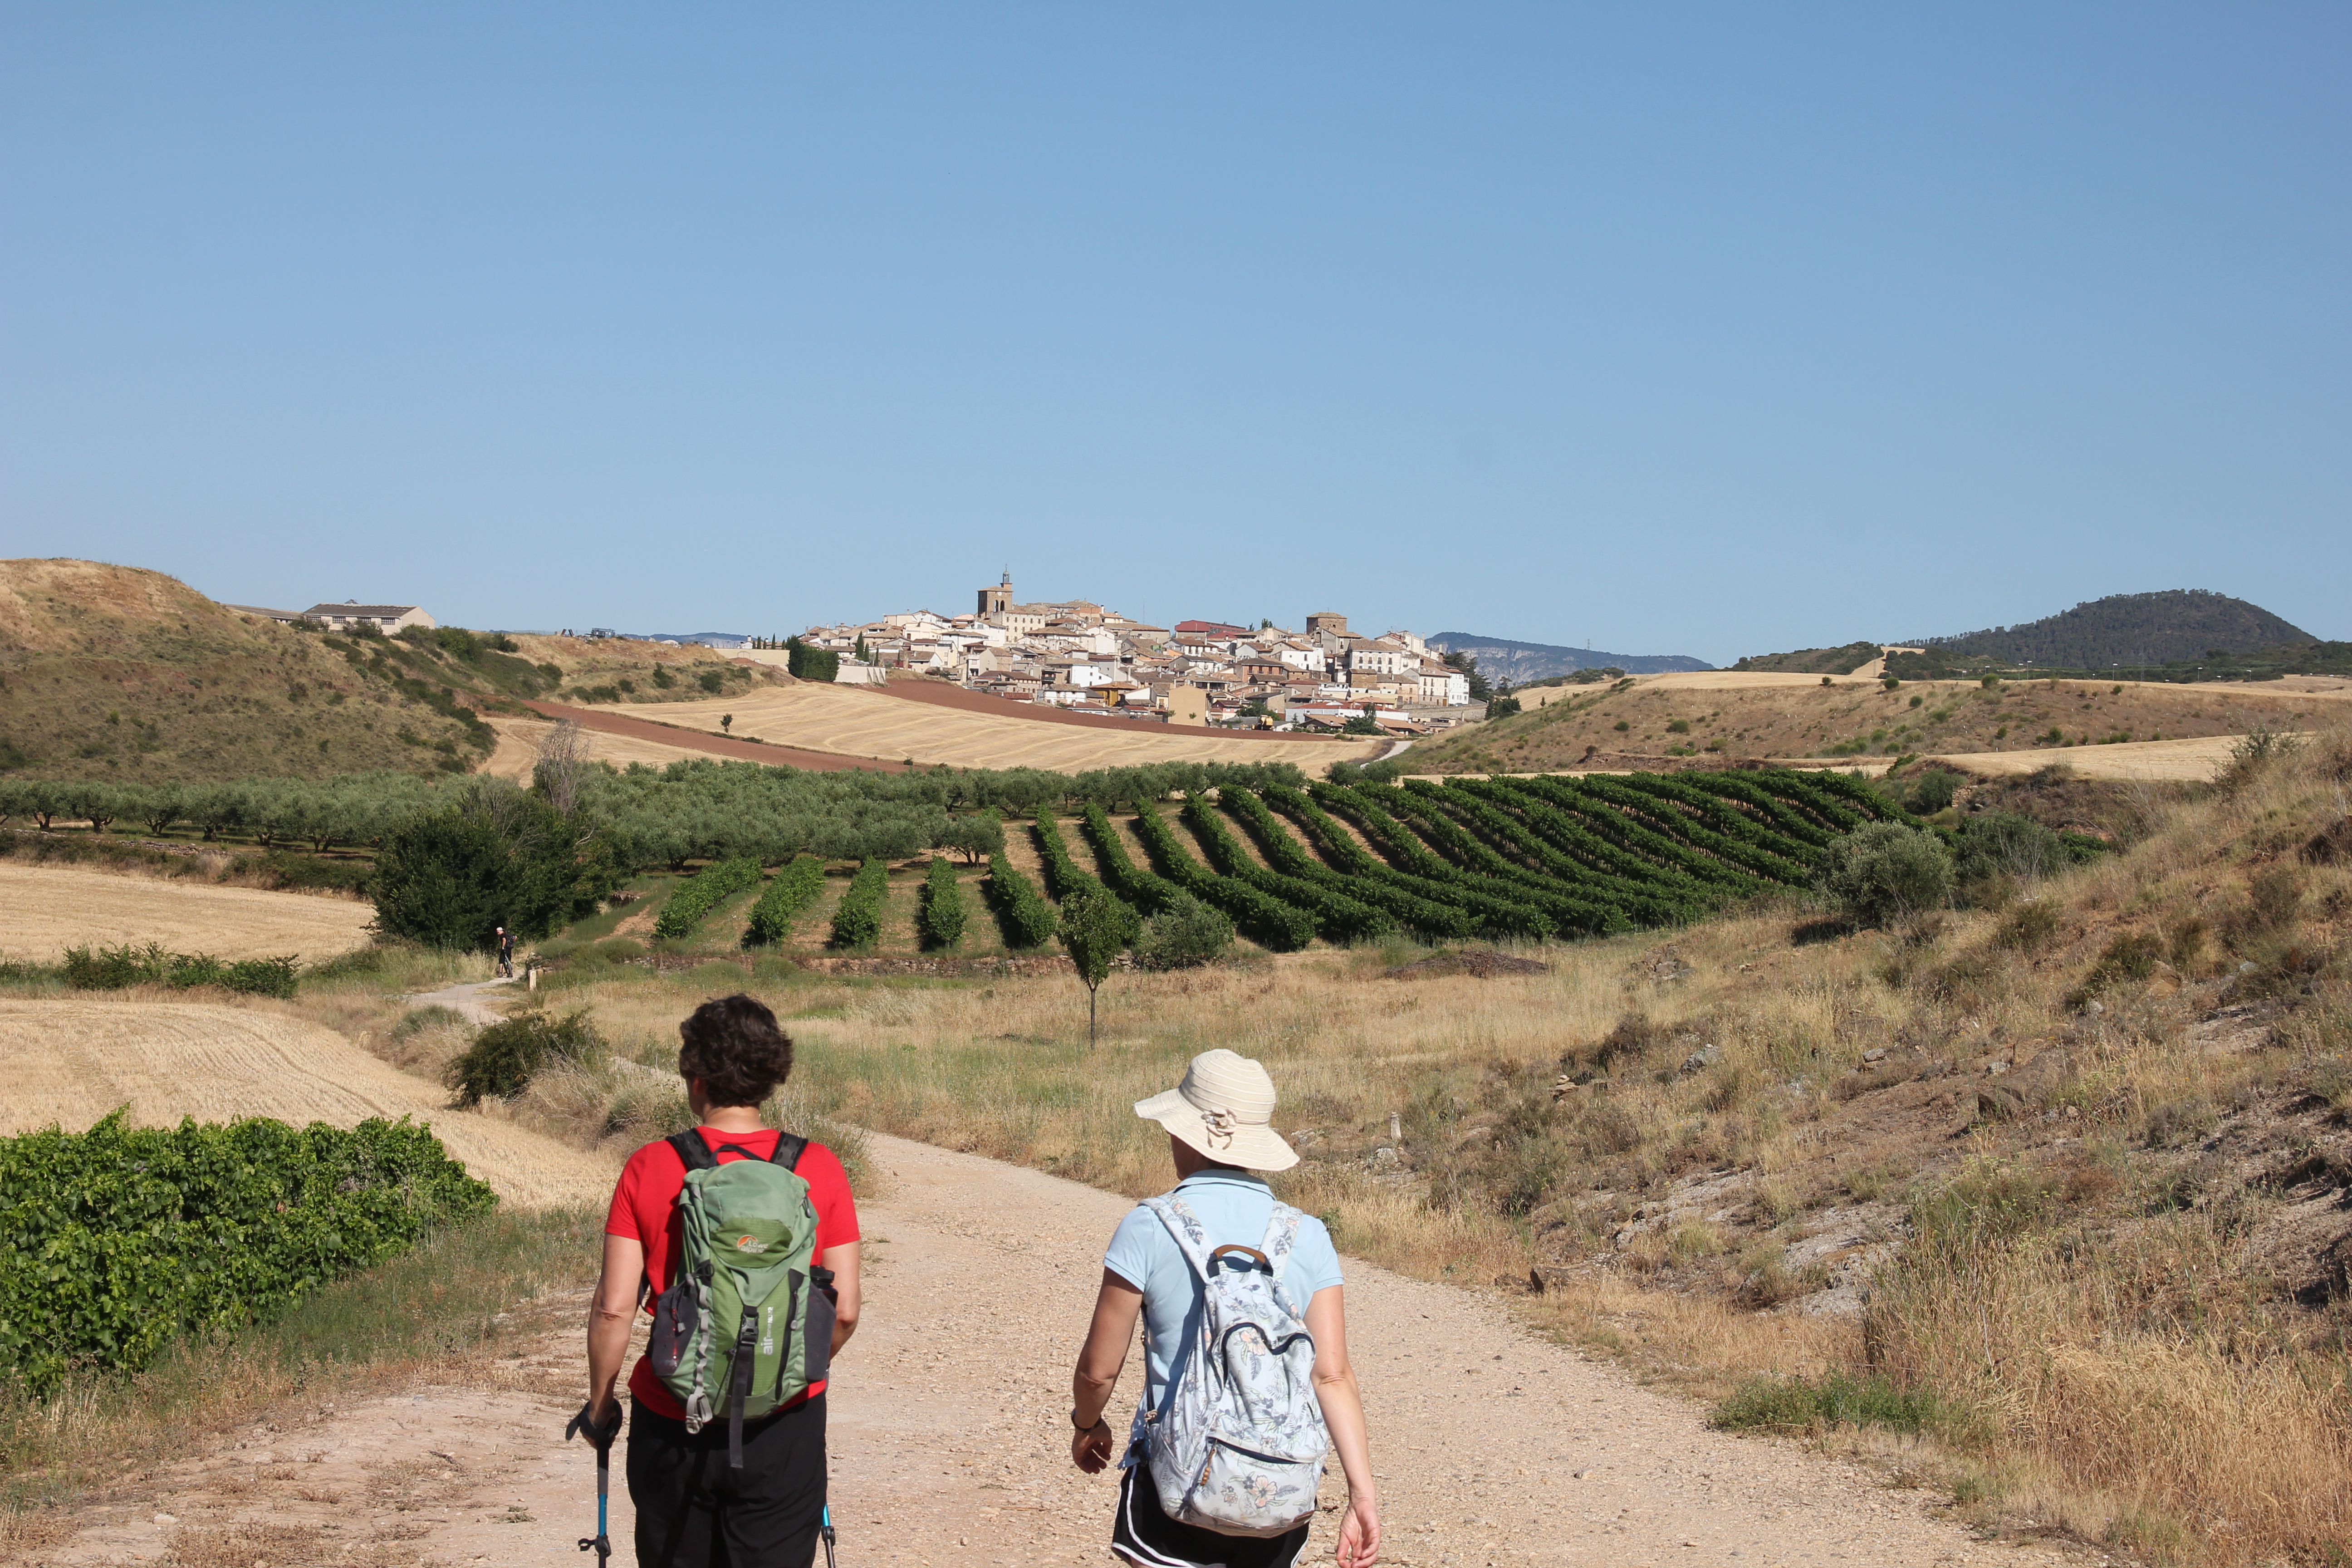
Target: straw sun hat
<point x="1224" y="1108"/>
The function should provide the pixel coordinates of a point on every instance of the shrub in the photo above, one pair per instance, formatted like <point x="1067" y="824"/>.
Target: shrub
<point x="2004" y="844"/>
<point x="113" y="968"/>
<point x="806" y="663"/>
<point x="794" y="888"/>
<point x="1025" y="919"/>
<point x="1932" y="791"/>
<point x="118" y="1241"/>
<point x="1885" y="873"/>
<point x="2128" y="955"/>
<point x="858" y="923"/>
<point x="1188" y="933"/>
<point x="940" y="908"/>
<point x="504" y="1058"/>
<point x="2028" y="927"/>
<point x="1502" y="706"/>
<point x="704" y="891"/>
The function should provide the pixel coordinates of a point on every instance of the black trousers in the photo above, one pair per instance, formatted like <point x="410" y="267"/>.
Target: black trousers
<point x="695" y="1512"/>
<point x="1144" y="1534"/>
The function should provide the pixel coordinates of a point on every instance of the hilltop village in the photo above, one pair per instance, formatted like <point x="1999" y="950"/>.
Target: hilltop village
<point x="1080" y="656"/>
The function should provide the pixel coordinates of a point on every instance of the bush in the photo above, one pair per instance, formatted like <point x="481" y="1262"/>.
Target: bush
<point x="504" y="1058"/>
<point x="1884" y="873"/>
<point x="1024" y="917"/>
<point x="2028" y="927"/>
<point x="499" y="857"/>
<point x="1188" y="933"/>
<point x="858" y="923"/>
<point x="805" y="663"/>
<point x="113" y="968"/>
<point x="119" y="1240"/>
<point x="940" y="907"/>
<point x="2004" y="844"/>
<point x="1502" y="706"/>
<point x="1932" y="791"/>
<point x="2128" y="955"/>
<point x="705" y="891"/>
<point x="794" y="888"/>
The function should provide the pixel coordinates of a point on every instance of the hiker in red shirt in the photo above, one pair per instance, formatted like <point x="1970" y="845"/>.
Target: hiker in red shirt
<point x="754" y="1495"/>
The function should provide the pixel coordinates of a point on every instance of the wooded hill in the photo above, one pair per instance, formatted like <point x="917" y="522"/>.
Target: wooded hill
<point x="2129" y="629"/>
<point x="1842" y="661"/>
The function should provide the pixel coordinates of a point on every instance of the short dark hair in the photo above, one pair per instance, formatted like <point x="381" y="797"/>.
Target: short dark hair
<point x="733" y="1045"/>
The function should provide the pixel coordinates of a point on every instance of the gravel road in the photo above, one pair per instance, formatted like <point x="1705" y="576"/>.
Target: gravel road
<point x="949" y="1447"/>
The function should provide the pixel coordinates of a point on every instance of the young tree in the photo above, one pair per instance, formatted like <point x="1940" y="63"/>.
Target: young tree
<point x="1095" y="928"/>
<point x="727" y="724"/>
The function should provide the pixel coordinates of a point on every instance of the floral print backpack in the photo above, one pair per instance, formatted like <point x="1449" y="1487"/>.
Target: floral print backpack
<point x="1236" y="1443"/>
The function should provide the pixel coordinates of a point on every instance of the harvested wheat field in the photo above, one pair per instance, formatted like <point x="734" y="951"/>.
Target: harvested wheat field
<point x="70" y="1062"/>
<point x="2175" y="761"/>
<point x="45" y="910"/>
<point x="855" y="723"/>
<point x="519" y="742"/>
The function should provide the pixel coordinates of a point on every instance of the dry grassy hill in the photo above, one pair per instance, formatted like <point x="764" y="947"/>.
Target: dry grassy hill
<point x="118" y="673"/>
<point x="1733" y="717"/>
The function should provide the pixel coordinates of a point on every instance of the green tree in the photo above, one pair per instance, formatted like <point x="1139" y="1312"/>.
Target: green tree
<point x="499" y="857"/>
<point x="974" y="837"/>
<point x="1884" y="873"/>
<point x="1095" y="927"/>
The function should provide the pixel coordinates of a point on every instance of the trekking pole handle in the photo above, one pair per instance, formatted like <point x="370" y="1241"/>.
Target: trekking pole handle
<point x="598" y="1438"/>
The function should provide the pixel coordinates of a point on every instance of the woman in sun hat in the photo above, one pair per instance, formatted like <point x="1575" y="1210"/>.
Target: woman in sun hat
<point x="1220" y="1133"/>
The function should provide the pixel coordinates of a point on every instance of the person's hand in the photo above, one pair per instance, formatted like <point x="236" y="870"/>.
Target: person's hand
<point x="1360" y="1533"/>
<point x="1090" y="1449"/>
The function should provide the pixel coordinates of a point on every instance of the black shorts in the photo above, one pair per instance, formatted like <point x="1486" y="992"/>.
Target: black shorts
<point x="694" y="1512"/>
<point x="1144" y="1534"/>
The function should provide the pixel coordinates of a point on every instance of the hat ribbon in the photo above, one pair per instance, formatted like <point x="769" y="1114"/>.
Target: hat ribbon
<point x="1220" y="1125"/>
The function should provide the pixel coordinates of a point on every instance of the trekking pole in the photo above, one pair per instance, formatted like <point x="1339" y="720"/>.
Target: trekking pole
<point x="601" y="1439"/>
<point x="824" y="1528"/>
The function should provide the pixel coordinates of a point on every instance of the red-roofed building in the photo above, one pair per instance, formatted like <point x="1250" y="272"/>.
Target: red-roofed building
<point x="1210" y="629"/>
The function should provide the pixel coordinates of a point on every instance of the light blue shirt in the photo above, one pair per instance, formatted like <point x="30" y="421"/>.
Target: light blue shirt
<point x="1235" y="1206"/>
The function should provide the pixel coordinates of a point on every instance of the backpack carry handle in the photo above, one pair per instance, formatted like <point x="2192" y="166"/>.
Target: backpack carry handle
<point x="1264" y="1264"/>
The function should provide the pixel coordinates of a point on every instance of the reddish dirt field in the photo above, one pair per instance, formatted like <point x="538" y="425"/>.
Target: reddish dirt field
<point x="717" y="745"/>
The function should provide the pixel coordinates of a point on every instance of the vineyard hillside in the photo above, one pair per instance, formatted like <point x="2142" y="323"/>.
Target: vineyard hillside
<point x="69" y="1062"/>
<point x="1653" y="719"/>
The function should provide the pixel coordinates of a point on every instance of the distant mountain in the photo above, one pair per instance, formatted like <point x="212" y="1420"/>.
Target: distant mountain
<point x="2130" y="629"/>
<point x="709" y="639"/>
<point x="1508" y="663"/>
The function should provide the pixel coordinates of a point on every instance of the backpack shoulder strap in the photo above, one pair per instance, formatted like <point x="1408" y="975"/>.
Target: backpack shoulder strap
<point x="1281" y="1237"/>
<point x="691" y="1149"/>
<point x="790" y="1147"/>
<point x="1191" y="1235"/>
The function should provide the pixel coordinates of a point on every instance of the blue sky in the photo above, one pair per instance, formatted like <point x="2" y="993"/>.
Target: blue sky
<point x="1673" y="328"/>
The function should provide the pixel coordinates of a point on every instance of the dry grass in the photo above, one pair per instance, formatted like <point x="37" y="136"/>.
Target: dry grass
<point x="2082" y="1239"/>
<point x="45" y="910"/>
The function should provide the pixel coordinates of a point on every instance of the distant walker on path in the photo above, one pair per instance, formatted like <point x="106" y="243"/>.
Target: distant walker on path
<point x="1247" y="1383"/>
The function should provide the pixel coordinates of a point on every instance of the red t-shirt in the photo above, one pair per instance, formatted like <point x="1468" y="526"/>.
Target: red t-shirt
<point x="645" y="1209"/>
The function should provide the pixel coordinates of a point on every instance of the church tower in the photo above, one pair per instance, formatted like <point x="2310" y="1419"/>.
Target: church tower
<point x="996" y="600"/>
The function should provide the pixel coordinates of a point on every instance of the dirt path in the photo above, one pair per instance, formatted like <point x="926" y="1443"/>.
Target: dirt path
<point x="948" y="1435"/>
<point x="459" y="999"/>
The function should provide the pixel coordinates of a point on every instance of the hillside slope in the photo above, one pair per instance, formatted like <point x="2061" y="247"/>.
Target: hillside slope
<point x="118" y="673"/>
<point x="1664" y="717"/>
<point x="2131" y="629"/>
<point x="1508" y="663"/>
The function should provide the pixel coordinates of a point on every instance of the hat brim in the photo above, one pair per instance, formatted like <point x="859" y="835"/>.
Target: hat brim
<point x="1253" y="1147"/>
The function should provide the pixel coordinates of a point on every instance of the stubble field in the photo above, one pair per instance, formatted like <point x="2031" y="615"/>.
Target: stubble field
<point x="69" y="1062"/>
<point x="45" y="910"/>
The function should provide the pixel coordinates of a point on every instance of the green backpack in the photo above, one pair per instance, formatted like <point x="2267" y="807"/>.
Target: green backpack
<point x="747" y="1325"/>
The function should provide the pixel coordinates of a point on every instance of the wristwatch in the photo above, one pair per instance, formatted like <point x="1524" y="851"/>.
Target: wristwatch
<point x="1099" y="1421"/>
